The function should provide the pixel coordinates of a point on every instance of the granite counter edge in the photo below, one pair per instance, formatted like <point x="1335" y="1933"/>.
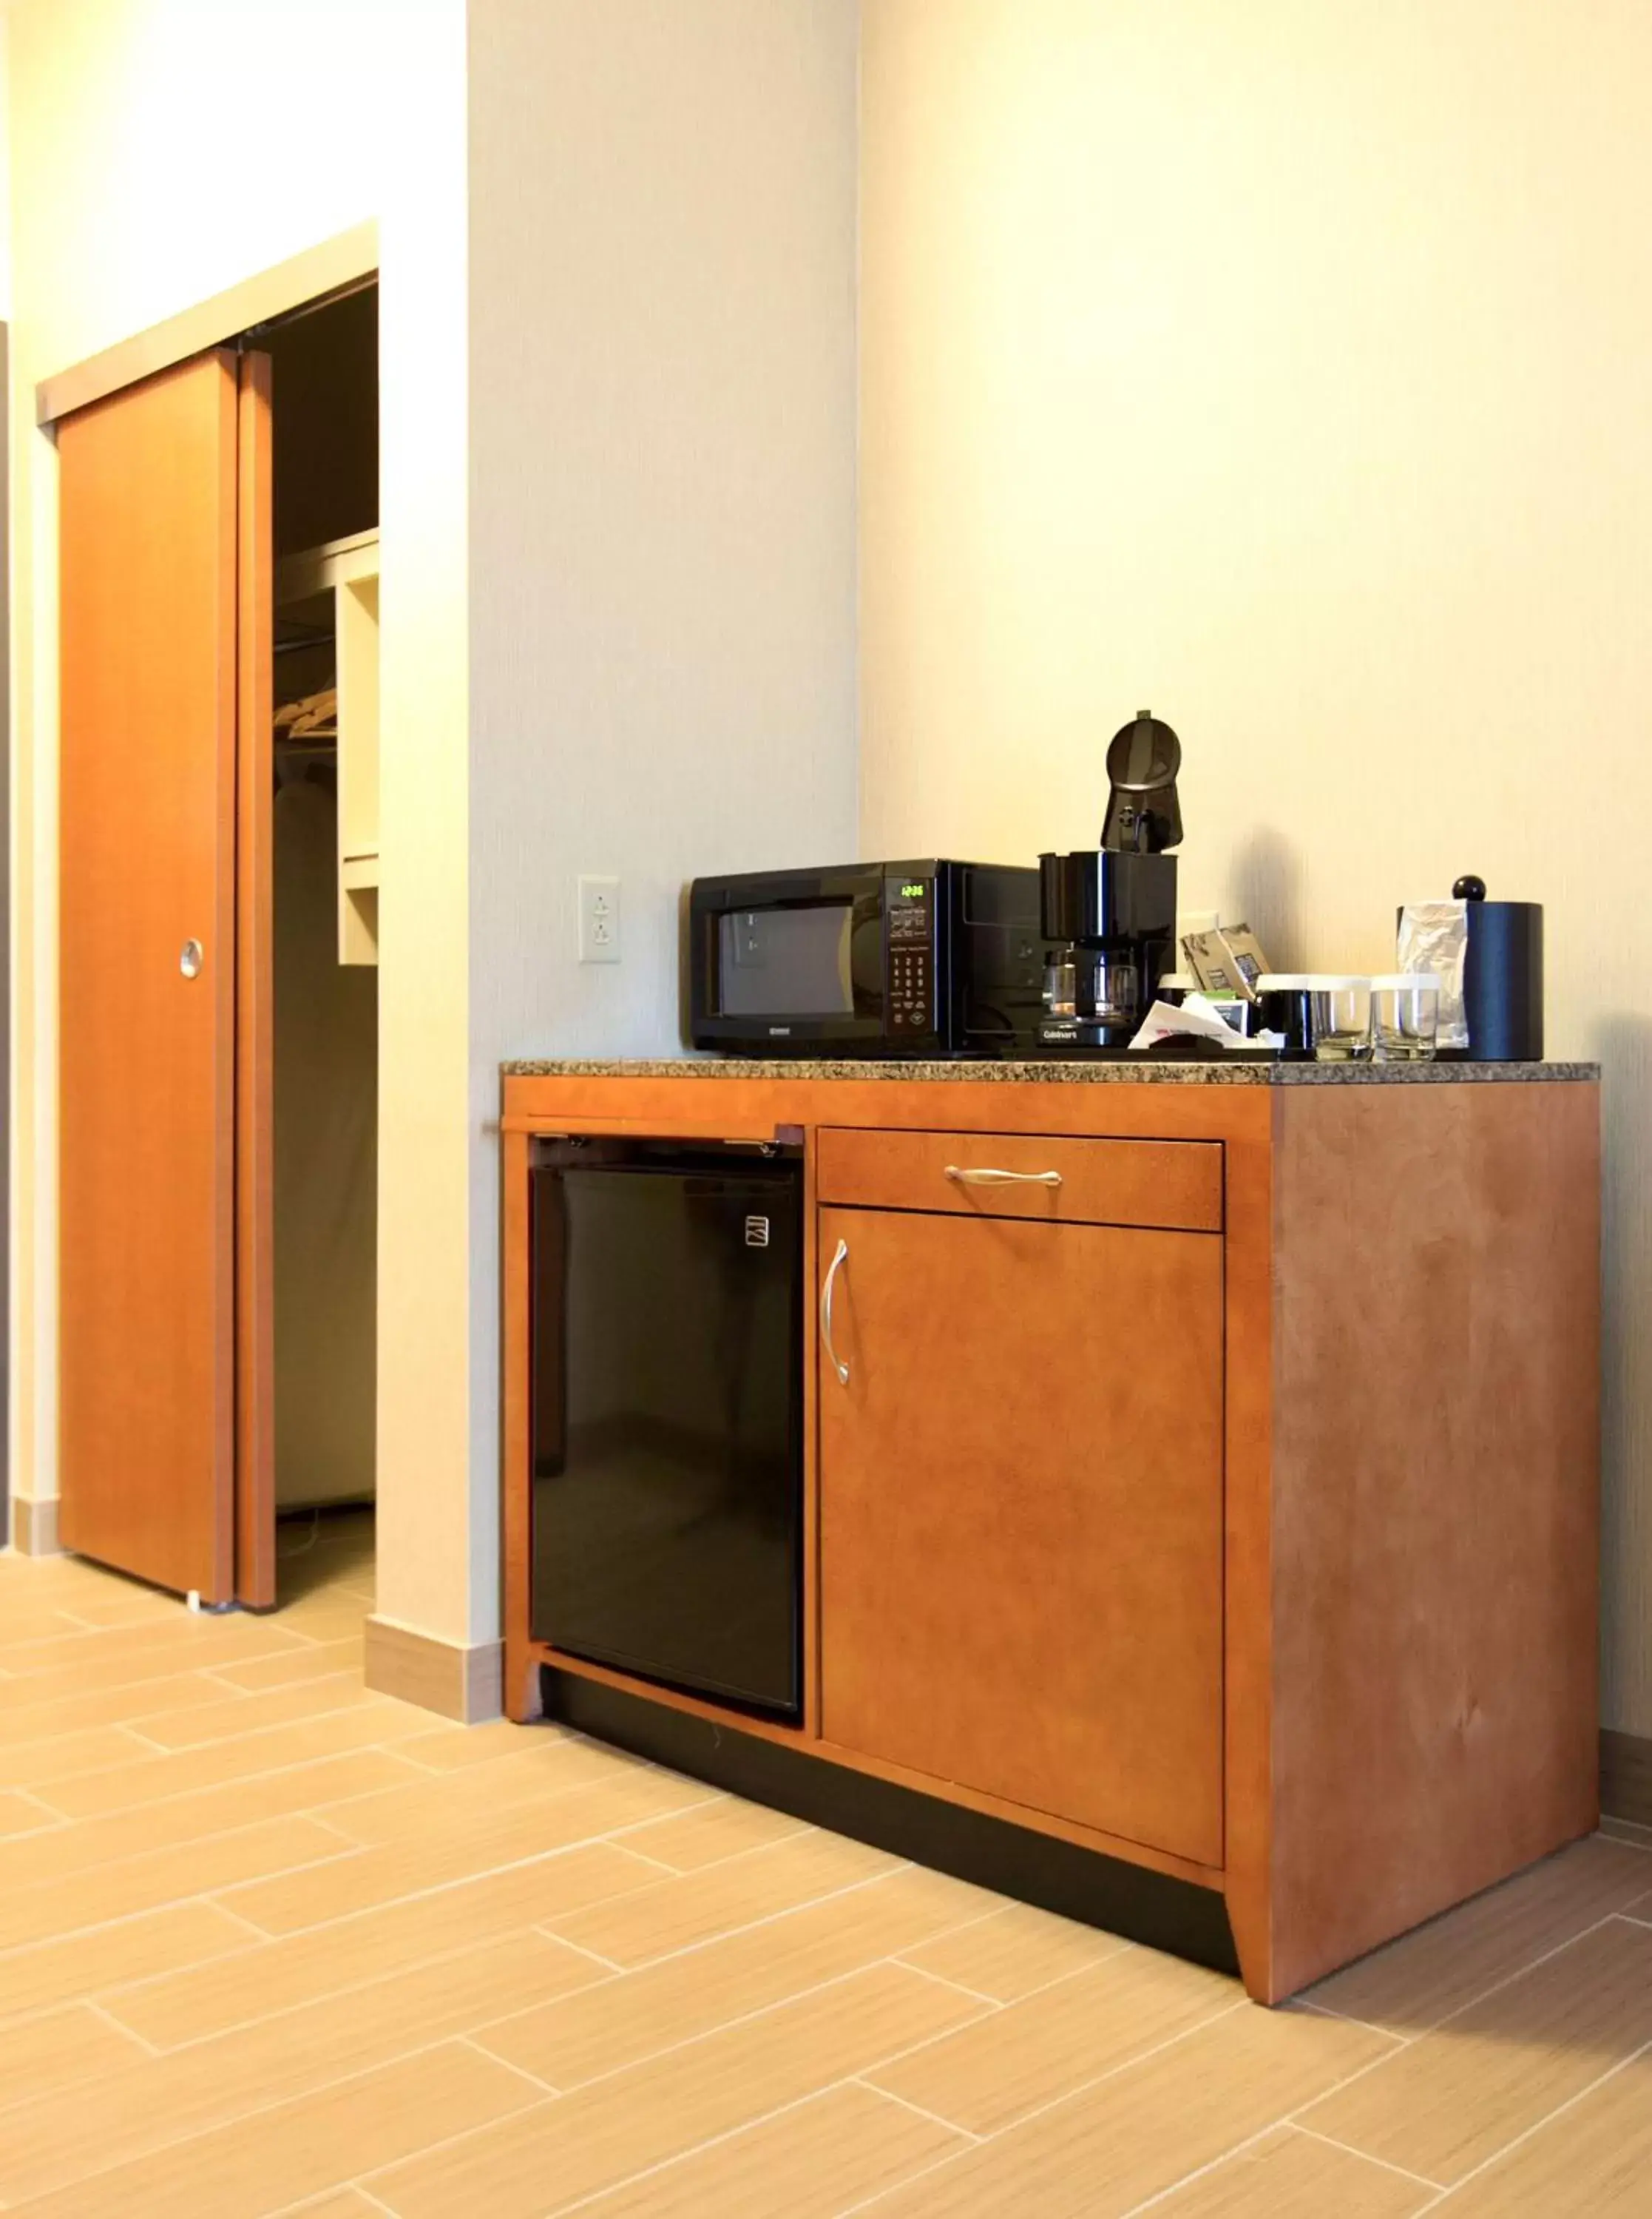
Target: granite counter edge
<point x="1057" y="1071"/>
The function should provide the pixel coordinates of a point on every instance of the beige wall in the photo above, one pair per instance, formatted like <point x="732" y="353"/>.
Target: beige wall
<point x="1285" y="367"/>
<point x="162" y="151"/>
<point x="662" y="502"/>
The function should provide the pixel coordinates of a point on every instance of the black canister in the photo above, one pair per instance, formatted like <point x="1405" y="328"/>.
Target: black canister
<point x="1502" y="977"/>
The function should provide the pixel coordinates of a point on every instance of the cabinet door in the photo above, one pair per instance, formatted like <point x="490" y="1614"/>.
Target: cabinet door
<point x="1021" y="1491"/>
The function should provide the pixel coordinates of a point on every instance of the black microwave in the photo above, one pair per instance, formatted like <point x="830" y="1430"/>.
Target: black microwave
<point x="923" y="959"/>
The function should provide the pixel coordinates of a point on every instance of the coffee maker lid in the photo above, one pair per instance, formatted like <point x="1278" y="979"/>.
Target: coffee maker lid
<point x="1145" y="756"/>
<point x="1143" y="814"/>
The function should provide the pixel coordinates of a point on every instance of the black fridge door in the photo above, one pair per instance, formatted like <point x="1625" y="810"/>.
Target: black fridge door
<point x="668" y="1489"/>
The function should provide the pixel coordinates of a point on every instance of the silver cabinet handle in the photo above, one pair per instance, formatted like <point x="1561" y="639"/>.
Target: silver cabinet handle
<point x="191" y="957"/>
<point x="837" y="1264"/>
<point x="1002" y="1178"/>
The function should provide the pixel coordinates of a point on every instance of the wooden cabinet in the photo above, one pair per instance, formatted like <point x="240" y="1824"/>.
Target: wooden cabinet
<point x="1021" y="1515"/>
<point x="1220" y="1512"/>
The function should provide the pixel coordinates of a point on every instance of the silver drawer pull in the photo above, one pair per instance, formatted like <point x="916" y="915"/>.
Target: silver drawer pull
<point x="837" y="1264"/>
<point x="1002" y="1178"/>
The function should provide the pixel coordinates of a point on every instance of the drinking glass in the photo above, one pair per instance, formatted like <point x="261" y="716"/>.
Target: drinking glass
<point x="1342" y="1027"/>
<point x="1406" y="1016"/>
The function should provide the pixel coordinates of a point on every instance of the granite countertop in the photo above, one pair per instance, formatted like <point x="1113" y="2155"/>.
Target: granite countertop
<point x="1076" y="1071"/>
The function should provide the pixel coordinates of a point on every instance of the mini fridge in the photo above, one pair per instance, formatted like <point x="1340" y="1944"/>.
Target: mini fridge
<point x="668" y="1413"/>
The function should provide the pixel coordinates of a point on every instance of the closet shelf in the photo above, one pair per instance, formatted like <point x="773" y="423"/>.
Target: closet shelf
<point x="342" y="579"/>
<point x="335" y="563"/>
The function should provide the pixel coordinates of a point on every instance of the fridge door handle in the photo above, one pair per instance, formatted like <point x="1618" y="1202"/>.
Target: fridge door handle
<point x="837" y="1264"/>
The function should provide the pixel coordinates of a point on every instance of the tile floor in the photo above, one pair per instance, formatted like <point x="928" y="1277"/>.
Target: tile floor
<point x="268" y="1943"/>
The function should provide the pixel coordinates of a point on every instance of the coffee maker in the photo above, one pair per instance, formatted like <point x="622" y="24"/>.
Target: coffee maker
<point x="1110" y="911"/>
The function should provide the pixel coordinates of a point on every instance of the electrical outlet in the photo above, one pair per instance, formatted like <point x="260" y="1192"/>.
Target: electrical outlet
<point x="599" y="920"/>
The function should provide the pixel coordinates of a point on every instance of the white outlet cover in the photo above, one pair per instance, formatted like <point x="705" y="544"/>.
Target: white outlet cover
<point x="598" y="900"/>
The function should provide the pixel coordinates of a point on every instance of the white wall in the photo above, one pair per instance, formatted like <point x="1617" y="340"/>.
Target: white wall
<point x="5" y="169"/>
<point x="663" y="257"/>
<point x="162" y="151"/>
<point x="1285" y="367"/>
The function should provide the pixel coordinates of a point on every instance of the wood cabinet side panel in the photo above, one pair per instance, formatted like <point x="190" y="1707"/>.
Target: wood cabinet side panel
<point x="516" y="1356"/>
<point x="1247" y="1510"/>
<point x="1435" y="1505"/>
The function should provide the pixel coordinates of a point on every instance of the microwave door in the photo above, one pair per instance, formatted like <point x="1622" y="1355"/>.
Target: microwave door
<point x="780" y="964"/>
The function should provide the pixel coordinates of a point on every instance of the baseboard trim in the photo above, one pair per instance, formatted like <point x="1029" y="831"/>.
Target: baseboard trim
<point x="444" y="1676"/>
<point x="34" y="1527"/>
<point x="1626" y="1777"/>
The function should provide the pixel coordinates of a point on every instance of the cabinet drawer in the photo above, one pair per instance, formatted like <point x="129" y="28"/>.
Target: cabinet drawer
<point x="1172" y="1186"/>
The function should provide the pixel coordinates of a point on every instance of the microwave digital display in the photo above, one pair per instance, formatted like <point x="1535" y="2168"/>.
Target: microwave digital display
<point x="792" y="962"/>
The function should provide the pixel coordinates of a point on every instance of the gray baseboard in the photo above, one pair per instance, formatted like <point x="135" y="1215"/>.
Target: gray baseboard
<point x="1626" y="1777"/>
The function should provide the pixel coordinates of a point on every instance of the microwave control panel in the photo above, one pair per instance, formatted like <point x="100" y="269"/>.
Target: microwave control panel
<point x="909" y="906"/>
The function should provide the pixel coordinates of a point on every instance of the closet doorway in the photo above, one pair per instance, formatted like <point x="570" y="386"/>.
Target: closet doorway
<point x="218" y="937"/>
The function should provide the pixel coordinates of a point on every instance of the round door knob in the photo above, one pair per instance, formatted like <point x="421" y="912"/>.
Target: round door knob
<point x="190" y="961"/>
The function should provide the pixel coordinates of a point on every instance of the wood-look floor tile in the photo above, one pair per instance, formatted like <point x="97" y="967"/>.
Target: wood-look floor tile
<point x="342" y="2204"/>
<point x="292" y="1666"/>
<point x="422" y="1804"/>
<point x="146" y="1882"/>
<point x="625" y="2020"/>
<point x="1419" y="1981"/>
<point x="40" y="2057"/>
<point x="252" y="1713"/>
<point x="1452" y="2100"/>
<point x="21" y="1814"/>
<point x="113" y="1601"/>
<point x="237" y="1765"/>
<point x="32" y="1763"/>
<point x="1030" y="2053"/>
<point x="185" y="1644"/>
<point x="1014" y="1951"/>
<point x="18" y="1627"/>
<point x="31" y="1711"/>
<point x="1625" y="1829"/>
<point x="448" y="1748"/>
<point x="714" y="1831"/>
<point x="1290" y="2175"/>
<point x="1594" y="2161"/>
<point x="207" y="2001"/>
<point x="370" y="1877"/>
<point x="164" y="1824"/>
<point x="815" y="2160"/>
<point x="326" y="1617"/>
<point x="679" y="1912"/>
<point x="604" y="2134"/>
<point x="1100" y="2153"/>
<point x="177" y="1940"/>
<point x="152" y="2101"/>
<point x="257" y="2165"/>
